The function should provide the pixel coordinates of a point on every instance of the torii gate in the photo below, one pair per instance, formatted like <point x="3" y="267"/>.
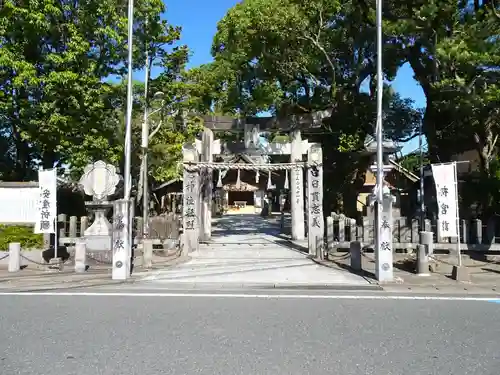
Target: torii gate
<point x="198" y="185"/>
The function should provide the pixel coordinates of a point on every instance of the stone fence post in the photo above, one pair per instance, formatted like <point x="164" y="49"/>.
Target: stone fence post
<point x="80" y="257"/>
<point x="14" y="257"/>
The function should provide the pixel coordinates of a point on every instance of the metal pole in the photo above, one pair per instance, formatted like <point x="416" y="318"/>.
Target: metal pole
<point x="145" y="145"/>
<point x="459" y="251"/>
<point x="422" y="192"/>
<point x="379" y="132"/>
<point x="56" y="224"/>
<point x="128" y="126"/>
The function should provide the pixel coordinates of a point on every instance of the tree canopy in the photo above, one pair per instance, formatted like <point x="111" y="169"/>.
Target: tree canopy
<point x="62" y="87"/>
<point x="58" y="61"/>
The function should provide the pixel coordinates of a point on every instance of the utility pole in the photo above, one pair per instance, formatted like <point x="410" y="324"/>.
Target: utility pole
<point x="128" y="126"/>
<point x="422" y="192"/>
<point x="145" y="145"/>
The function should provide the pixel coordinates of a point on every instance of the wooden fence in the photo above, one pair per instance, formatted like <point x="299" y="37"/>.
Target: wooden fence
<point x="474" y="234"/>
<point x="162" y="229"/>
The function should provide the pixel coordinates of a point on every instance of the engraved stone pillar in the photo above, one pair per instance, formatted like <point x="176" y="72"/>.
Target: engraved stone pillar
<point x="315" y="220"/>
<point x="121" y="240"/>
<point x="383" y="257"/>
<point x="297" y="188"/>
<point x="207" y="183"/>
<point x="191" y="203"/>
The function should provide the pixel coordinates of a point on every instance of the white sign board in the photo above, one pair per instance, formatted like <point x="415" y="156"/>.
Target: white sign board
<point x="47" y="202"/>
<point x="445" y="178"/>
<point x="19" y="205"/>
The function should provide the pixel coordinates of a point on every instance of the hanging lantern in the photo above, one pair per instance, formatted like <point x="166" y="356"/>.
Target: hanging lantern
<point x="219" y="180"/>
<point x="287" y="183"/>
<point x="257" y="176"/>
<point x="238" y="180"/>
<point x="269" y="182"/>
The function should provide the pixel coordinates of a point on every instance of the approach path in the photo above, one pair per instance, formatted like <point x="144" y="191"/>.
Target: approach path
<point x="248" y="250"/>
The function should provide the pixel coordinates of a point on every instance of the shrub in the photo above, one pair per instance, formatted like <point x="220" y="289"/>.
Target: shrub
<point x="22" y="234"/>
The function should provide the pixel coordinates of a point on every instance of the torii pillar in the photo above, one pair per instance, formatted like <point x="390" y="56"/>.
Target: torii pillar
<point x="297" y="187"/>
<point x="207" y="184"/>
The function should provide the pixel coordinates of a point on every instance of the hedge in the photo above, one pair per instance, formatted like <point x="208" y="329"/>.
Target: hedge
<point x="22" y="234"/>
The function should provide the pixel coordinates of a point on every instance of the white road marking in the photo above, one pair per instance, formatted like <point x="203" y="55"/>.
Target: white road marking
<point x="261" y="296"/>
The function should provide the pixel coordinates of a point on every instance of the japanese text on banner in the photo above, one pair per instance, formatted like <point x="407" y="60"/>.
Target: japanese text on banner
<point x="47" y="204"/>
<point x="446" y="195"/>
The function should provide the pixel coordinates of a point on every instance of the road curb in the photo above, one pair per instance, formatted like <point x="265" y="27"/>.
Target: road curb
<point x="66" y="280"/>
<point x="262" y="286"/>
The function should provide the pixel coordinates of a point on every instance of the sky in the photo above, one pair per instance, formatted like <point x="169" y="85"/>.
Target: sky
<point x="199" y="19"/>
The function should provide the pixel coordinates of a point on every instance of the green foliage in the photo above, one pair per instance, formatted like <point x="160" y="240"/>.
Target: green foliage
<point x="289" y="58"/>
<point x="55" y="60"/>
<point x="22" y="234"/>
<point x="454" y="50"/>
<point x="412" y="162"/>
<point x="166" y="149"/>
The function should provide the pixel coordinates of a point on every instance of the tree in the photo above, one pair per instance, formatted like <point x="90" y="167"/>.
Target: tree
<point x="55" y="59"/>
<point x="290" y="57"/>
<point x="454" y="51"/>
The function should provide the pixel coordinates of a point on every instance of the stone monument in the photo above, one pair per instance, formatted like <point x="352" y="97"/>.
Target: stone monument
<point x="99" y="180"/>
<point x="315" y="217"/>
<point x="383" y="225"/>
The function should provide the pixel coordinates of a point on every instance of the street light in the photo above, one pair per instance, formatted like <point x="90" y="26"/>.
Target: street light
<point x="145" y="146"/>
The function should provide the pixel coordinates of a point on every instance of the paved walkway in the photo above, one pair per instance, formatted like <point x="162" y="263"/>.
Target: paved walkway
<point x="247" y="250"/>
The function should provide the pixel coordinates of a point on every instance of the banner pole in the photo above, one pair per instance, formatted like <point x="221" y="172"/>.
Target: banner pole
<point x="459" y="252"/>
<point x="56" y="229"/>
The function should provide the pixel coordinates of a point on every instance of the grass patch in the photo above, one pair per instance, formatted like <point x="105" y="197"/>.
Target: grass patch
<point x="22" y="234"/>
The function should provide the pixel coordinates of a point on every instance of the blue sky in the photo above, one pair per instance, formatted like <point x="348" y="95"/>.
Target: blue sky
<point x="199" y="18"/>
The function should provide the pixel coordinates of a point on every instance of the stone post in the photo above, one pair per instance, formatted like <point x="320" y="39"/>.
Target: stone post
<point x="121" y="240"/>
<point x="191" y="203"/>
<point x="80" y="256"/>
<point x="355" y="251"/>
<point x="329" y="234"/>
<point x="14" y="257"/>
<point x="315" y="219"/>
<point x="297" y="188"/>
<point x="427" y="239"/>
<point x="147" y="253"/>
<point x="422" y="261"/>
<point x="383" y="257"/>
<point x="207" y="183"/>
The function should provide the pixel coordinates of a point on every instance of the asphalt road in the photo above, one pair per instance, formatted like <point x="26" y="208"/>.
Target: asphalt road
<point x="148" y="335"/>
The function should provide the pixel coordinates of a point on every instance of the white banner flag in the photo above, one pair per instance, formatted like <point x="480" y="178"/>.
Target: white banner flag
<point x="47" y="204"/>
<point x="445" y="178"/>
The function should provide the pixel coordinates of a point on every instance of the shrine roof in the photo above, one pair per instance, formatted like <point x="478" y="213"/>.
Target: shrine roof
<point x="167" y="183"/>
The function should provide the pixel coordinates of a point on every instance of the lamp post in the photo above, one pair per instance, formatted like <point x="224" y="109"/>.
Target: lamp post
<point x="145" y="146"/>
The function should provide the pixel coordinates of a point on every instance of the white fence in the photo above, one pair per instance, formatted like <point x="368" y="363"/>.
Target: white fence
<point x="18" y="203"/>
